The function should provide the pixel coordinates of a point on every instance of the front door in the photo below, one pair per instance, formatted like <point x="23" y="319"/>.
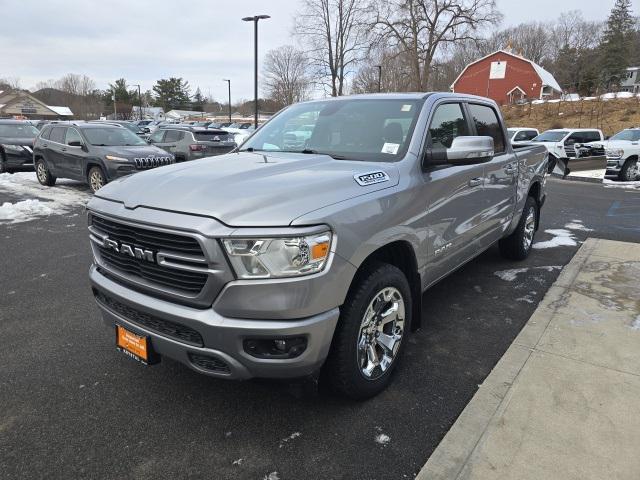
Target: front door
<point x="74" y="154"/>
<point x="455" y="197"/>
<point x="54" y="154"/>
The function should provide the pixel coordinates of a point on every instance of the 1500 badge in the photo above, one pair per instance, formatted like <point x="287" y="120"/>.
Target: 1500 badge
<point x="371" y="178"/>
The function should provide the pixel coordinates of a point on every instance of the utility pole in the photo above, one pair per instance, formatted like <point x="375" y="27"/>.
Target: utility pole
<point x="115" y="110"/>
<point x="229" y="82"/>
<point x="379" y="67"/>
<point x="255" y="20"/>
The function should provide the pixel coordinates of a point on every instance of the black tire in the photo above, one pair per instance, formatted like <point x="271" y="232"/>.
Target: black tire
<point x="3" y="164"/>
<point x="517" y="246"/>
<point x="96" y="178"/>
<point x="343" y="371"/>
<point x="630" y="170"/>
<point x="43" y="174"/>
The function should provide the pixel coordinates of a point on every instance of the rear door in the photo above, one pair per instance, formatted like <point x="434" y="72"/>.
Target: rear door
<point x="54" y="151"/>
<point x="170" y="143"/>
<point x="74" y="154"/>
<point x="500" y="174"/>
<point x="453" y="196"/>
<point x="157" y="138"/>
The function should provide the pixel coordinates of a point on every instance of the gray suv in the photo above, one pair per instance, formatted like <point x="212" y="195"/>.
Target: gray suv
<point x="186" y="142"/>
<point x="92" y="152"/>
<point x="283" y="262"/>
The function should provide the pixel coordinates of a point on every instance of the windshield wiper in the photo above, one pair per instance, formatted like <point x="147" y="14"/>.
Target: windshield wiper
<point x="251" y="149"/>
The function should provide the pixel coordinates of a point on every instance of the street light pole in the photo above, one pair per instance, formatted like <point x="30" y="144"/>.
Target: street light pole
<point x="140" y="99"/>
<point x="379" y="67"/>
<point x="255" y="20"/>
<point x="229" y="82"/>
<point x="115" y="110"/>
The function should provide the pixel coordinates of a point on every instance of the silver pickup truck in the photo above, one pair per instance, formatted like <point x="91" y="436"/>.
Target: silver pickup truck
<point x="281" y="263"/>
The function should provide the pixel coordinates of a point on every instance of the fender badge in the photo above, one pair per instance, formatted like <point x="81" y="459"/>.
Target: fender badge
<point x="371" y="178"/>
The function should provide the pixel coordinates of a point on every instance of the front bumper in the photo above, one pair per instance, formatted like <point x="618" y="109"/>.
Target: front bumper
<point x="19" y="160"/>
<point x="222" y="337"/>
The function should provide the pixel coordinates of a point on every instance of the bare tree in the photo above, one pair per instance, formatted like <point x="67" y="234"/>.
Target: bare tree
<point x="285" y="75"/>
<point x="421" y="28"/>
<point x="335" y="34"/>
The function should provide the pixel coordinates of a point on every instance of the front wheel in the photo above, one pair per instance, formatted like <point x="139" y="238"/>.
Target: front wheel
<point x="43" y="174"/>
<point x="517" y="246"/>
<point x="630" y="170"/>
<point x="369" y="337"/>
<point x="96" y="178"/>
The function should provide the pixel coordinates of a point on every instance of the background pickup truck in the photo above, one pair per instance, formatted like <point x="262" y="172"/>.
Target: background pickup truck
<point x="279" y="262"/>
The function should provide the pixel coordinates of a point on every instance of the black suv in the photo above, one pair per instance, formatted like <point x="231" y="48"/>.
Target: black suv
<point x="92" y="152"/>
<point x="189" y="143"/>
<point x="16" y="145"/>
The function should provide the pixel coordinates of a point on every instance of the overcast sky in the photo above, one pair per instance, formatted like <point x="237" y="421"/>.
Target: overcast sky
<point x="201" y="41"/>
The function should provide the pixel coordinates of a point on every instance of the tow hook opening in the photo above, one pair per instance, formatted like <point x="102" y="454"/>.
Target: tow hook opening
<point x="284" y="347"/>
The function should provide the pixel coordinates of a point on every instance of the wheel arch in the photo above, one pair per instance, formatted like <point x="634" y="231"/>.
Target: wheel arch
<point x="401" y="254"/>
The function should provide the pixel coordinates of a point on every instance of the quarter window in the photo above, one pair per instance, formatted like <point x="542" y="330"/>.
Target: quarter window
<point x="448" y="122"/>
<point x="487" y="124"/>
<point x="157" y="136"/>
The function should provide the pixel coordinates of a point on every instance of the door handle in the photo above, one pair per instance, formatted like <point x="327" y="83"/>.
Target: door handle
<point x="64" y="149"/>
<point x="474" y="182"/>
<point x="510" y="169"/>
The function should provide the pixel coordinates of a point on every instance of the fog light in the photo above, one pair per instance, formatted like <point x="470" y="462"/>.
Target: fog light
<point x="290" y="347"/>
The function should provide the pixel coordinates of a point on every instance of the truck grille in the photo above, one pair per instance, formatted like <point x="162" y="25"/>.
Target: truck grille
<point x="184" y="281"/>
<point x="144" y="163"/>
<point x="597" y="151"/>
<point x="150" y="322"/>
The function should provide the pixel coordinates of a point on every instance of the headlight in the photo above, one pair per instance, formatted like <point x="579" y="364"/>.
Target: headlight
<point x="614" y="152"/>
<point x="279" y="257"/>
<point x="12" y="148"/>
<point x="116" y="159"/>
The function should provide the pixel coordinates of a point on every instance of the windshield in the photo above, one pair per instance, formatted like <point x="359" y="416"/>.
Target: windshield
<point x="353" y="129"/>
<point x="111" y="137"/>
<point x="551" y="136"/>
<point x="18" y="131"/>
<point x="628" y="135"/>
<point x="132" y="127"/>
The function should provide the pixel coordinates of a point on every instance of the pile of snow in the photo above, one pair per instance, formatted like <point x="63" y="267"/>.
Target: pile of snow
<point x="41" y="201"/>
<point x="512" y="274"/>
<point x="383" y="438"/>
<point x="577" y="225"/>
<point x="625" y="185"/>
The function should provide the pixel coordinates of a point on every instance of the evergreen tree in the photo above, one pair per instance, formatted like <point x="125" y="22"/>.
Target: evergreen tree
<point x="617" y="44"/>
<point x="198" y="101"/>
<point x="172" y="93"/>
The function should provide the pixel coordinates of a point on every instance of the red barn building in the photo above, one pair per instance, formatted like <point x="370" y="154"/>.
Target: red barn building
<point x="506" y="78"/>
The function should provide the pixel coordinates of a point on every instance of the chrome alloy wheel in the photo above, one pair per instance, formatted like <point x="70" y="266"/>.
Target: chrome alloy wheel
<point x="381" y="332"/>
<point x="41" y="172"/>
<point x="96" y="181"/>
<point x="529" y="228"/>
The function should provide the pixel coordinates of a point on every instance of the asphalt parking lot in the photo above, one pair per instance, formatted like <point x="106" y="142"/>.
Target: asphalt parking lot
<point x="71" y="406"/>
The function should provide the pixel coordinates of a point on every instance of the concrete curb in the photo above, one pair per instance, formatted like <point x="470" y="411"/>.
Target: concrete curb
<point x="575" y="178"/>
<point x="451" y="459"/>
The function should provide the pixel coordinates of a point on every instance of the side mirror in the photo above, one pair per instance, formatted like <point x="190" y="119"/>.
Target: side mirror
<point x="75" y="143"/>
<point x="469" y="150"/>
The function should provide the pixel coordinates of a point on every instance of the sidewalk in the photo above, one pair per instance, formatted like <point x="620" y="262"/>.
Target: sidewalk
<point x="564" y="400"/>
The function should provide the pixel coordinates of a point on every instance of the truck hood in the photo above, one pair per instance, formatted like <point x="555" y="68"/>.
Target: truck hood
<point x="26" y="142"/>
<point x="249" y="189"/>
<point x="617" y="144"/>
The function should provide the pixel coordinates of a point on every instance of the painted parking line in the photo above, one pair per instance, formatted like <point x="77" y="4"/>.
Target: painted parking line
<point x="628" y="209"/>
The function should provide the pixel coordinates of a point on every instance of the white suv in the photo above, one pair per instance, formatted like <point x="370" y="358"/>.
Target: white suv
<point x="521" y="136"/>
<point x="561" y="143"/>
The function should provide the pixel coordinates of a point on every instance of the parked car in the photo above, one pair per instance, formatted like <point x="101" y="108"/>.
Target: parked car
<point x="561" y="143"/>
<point x="623" y="153"/>
<point x="16" y="145"/>
<point x="138" y="130"/>
<point x="92" y="152"/>
<point x="189" y="143"/>
<point x="518" y="136"/>
<point x="269" y="262"/>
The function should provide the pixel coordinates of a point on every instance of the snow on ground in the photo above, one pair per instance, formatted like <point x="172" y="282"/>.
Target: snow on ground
<point x="289" y="438"/>
<point x="636" y="323"/>
<point x="512" y="274"/>
<point x="577" y="225"/>
<point x="598" y="173"/>
<point x="383" y="438"/>
<point x="625" y="185"/>
<point x="561" y="238"/>
<point x="41" y="201"/>
<point x="272" y="476"/>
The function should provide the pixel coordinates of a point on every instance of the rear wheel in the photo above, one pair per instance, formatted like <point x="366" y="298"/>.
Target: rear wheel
<point x="43" y="174"/>
<point x="369" y="337"/>
<point x="96" y="179"/>
<point x="630" y="170"/>
<point x="3" y="164"/>
<point x="517" y="246"/>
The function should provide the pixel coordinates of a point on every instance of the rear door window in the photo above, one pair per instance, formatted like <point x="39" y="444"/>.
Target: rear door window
<point x="487" y="124"/>
<point x="448" y="122"/>
<point x="58" y="134"/>
<point x="592" y="136"/>
<point x="173" y="136"/>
